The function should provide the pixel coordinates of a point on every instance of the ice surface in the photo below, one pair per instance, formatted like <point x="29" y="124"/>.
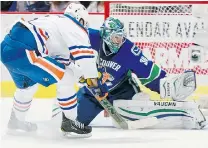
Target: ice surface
<point x="49" y="136"/>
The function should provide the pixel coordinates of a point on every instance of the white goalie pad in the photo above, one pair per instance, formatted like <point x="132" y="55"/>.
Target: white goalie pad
<point x="179" y="87"/>
<point x="171" y="114"/>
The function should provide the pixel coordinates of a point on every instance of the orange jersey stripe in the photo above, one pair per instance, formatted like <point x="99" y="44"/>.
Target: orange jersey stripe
<point x="41" y="32"/>
<point x="82" y="51"/>
<point x="53" y="69"/>
<point x="33" y="56"/>
<point x="48" y="66"/>
<point x="69" y="103"/>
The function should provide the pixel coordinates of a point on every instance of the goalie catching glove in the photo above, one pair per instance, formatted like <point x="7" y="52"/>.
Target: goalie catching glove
<point x="179" y="87"/>
<point x="98" y="85"/>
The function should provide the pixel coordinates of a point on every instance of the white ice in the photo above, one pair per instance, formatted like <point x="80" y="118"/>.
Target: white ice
<point x="103" y="135"/>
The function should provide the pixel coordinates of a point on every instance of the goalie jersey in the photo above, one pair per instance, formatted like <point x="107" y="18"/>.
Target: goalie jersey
<point x="129" y="57"/>
<point x="63" y="38"/>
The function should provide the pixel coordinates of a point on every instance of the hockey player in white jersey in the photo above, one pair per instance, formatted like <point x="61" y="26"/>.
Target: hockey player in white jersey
<point x="39" y="51"/>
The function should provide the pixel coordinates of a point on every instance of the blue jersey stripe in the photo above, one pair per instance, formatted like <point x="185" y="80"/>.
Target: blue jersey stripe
<point x="66" y="99"/>
<point x="83" y="57"/>
<point x="81" y="46"/>
<point x="21" y="102"/>
<point x="74" y="47"/>
<point x="61" y="59"/>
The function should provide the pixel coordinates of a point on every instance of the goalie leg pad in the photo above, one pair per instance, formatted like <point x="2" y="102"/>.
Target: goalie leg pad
<point x="171" y="114"/>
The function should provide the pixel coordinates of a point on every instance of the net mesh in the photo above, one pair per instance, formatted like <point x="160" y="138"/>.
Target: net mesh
<point x="150" y="9"/>
<point x="169" y="28"/>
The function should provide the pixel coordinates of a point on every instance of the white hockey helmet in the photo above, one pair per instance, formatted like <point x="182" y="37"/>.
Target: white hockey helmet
<point x="79" y="12"/>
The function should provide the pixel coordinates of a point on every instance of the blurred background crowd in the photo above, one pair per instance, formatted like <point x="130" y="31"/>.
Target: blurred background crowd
<point x="49" y="6"/>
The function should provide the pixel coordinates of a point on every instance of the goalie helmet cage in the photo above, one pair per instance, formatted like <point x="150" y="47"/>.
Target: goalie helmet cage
<point x="163" y="30"/>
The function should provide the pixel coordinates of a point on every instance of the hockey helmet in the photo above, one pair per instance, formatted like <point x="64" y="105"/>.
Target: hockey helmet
<point x="79" y="12"/>
<point x="113" y="34"/>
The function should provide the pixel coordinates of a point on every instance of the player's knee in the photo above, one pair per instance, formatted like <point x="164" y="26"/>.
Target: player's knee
<point x="26" y="92"/>
<point x="87" y="110"/>
<point x="65" y="87"/>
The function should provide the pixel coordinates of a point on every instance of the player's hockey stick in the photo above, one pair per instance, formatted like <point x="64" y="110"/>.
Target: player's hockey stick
<point x="142" y="123"/>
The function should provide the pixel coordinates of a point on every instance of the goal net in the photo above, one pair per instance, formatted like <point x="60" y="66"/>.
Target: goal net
<point x="165" y="31"/>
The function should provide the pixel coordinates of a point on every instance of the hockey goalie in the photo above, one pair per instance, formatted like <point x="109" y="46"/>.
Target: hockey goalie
<point x="130" y="74"/>
<point x="129" y="71"/>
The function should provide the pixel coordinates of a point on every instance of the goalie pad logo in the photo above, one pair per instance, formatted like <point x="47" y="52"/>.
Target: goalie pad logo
<point x="164" y="103"/>
<point x="168" y="89"/>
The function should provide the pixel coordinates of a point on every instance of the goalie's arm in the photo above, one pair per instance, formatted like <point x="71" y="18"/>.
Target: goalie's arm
<point x="146" y="70"/>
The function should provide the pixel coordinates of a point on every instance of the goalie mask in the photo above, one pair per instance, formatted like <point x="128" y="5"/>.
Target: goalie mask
<point x="79" y="12"/>
<point x="113" y="34"/>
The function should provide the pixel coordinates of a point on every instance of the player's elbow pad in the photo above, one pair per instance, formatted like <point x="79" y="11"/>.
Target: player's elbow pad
<point x="88" y="67"/>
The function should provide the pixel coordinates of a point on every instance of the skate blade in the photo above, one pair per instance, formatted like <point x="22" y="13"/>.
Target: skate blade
<point x="75" y="135"/>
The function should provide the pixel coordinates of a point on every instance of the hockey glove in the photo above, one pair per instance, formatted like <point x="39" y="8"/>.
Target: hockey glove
<point x="98" y="86"/>
<point x="102" y="89"/>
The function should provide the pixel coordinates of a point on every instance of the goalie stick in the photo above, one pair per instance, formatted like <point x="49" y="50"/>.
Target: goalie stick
<point x="137" y="124"/>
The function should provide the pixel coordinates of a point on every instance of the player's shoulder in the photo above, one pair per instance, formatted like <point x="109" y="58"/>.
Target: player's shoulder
<point x="95" y="38"/>
<point x="70" y="23"/>
<point x="128" y="42"/>
<point x="130" y="49"/>
<point x="93" y="33"/>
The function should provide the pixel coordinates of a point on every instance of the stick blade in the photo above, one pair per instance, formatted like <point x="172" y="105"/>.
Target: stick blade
<point x="142" y="123"/>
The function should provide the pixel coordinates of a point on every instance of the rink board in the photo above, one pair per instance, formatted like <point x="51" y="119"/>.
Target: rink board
<point x="8" y="88"/>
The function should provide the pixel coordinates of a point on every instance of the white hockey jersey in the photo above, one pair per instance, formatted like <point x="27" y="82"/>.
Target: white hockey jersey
<point x="64" y="39"/>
